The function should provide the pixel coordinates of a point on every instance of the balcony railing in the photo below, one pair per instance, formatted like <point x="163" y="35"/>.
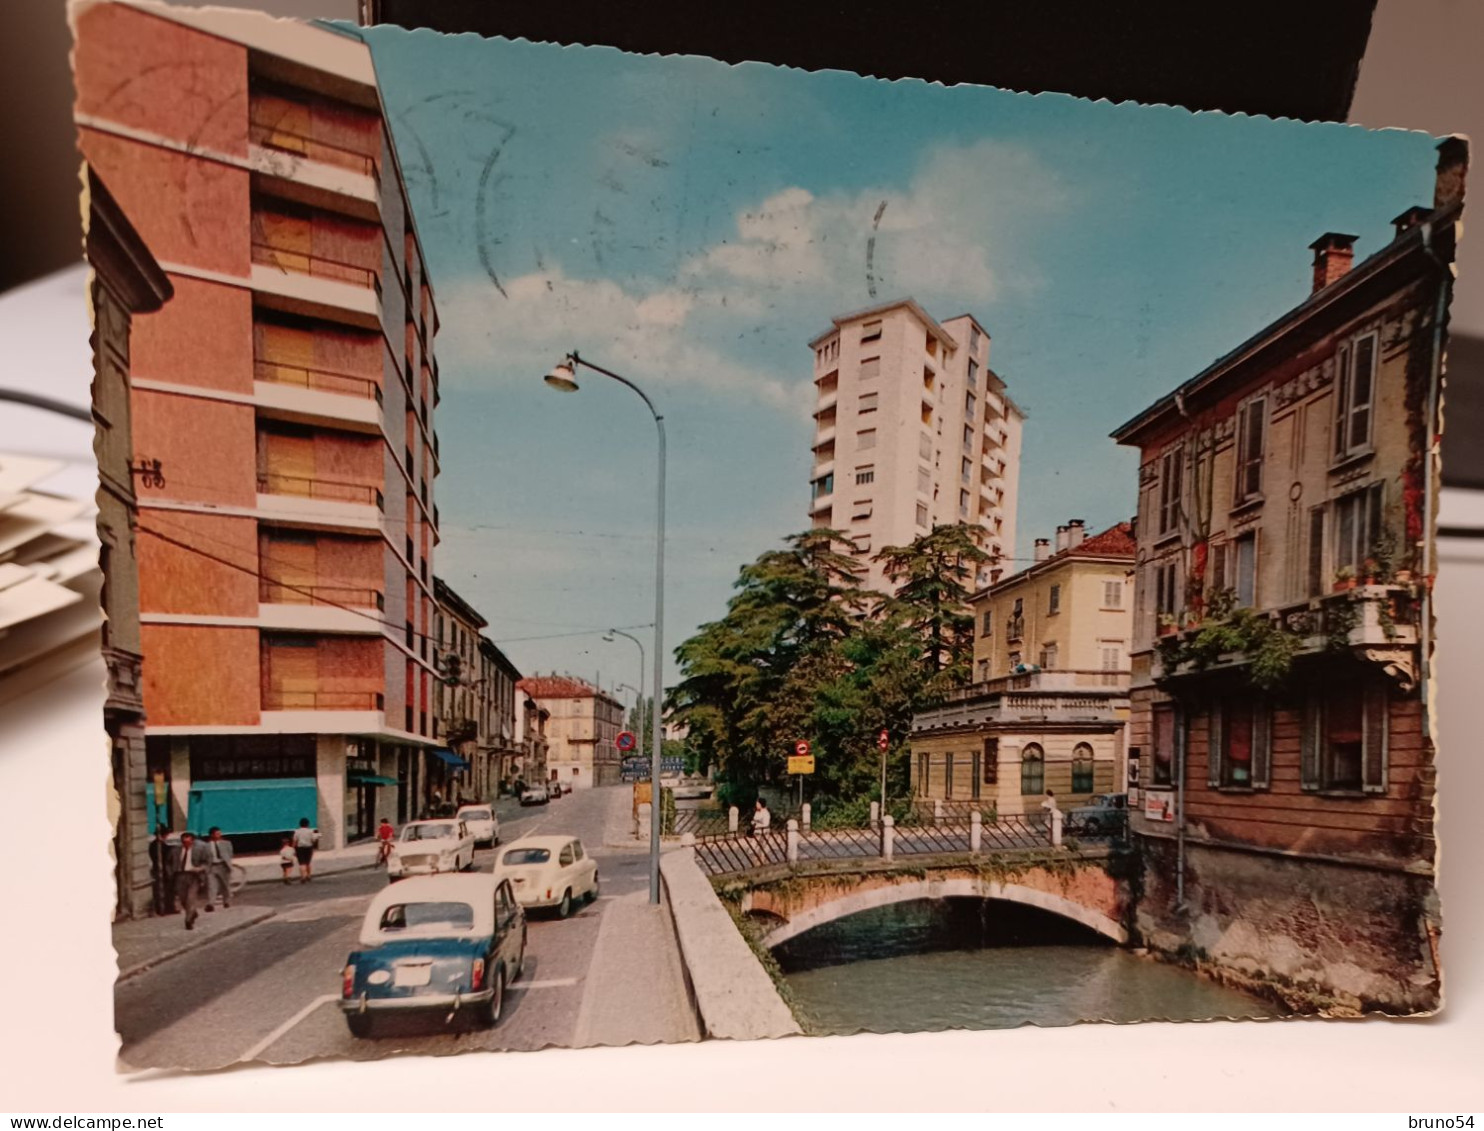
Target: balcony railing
<point x="287" y="593"/>
<point x="271" y="483"/>
<point x="302" y="263"/>
<point x="1055" y="680"/>
<point x="273" y="135"/>
<point x="319" y="380"/>
<point x="1014" y="628"/>
<point x="278" y="699"/>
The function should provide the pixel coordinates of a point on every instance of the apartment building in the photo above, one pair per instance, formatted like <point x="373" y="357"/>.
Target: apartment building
<point x="287" y="394"/>
<point x="126" y="282"/>
<point x="1049" y="705"/>
<point x="1282" y="632"/>
<point x="531" y="720"/>
<point x="912" y="430"/>
<point x="458" y="693"/>
<point x="500" y="747"/>
<point x="582" y="724"/>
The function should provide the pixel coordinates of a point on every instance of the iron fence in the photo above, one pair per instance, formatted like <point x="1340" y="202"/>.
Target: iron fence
<point x="840" y="844"/>
<point x="723" y="855"/>
<point x="700" y="822"/>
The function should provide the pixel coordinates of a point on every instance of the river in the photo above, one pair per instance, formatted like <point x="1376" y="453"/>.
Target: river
<point x="948" y="964"/>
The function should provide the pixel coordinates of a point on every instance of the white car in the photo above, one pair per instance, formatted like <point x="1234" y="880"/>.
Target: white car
<point x="426" y="848"/>
<point x="535" y="794"/>
<point x="549" y="871"/>
<point x="484" y="826"/>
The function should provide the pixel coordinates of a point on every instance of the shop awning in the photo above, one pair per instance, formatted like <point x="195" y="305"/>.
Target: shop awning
<point x="449" y="758"/>
<point x="251" y="805"/>
<point x="365" y="777"/>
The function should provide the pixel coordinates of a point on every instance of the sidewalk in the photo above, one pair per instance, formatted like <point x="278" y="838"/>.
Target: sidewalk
<point x="261" y="869"/>
<point x="143" y="944"/>
<point x="618" y="822"/>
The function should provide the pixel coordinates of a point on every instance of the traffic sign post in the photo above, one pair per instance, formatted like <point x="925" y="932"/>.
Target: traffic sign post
<point x="883" y="743"/>
<point x="625" y="741"/>
<point x="801" y="762"/>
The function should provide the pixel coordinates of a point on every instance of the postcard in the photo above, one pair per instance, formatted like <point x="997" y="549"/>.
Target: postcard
<point x="608" y="548"/>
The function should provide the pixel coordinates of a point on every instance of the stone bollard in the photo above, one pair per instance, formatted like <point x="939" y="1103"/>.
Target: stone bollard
<point x="804" y="817"/>
<point x="1056" y="819"/>
<point x="793" y="841"/>
<point x="732" y="819"/>
<point x="642" y="824"/>
<point x="875" y="814"/>
<point x="888" y="837"/>
<point x="687" y="840"/>
<point x="937" y="811"/>
<point x="976" y="830"/>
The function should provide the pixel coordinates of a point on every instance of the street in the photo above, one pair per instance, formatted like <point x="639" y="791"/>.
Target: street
<point x="269" y="992"/>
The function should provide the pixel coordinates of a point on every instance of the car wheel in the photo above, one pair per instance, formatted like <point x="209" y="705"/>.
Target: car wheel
<point x="592" y="896"/>
<point x="490" y="1013"/>
<point x="360" y="1025"/>
<point x="564" y="909"/>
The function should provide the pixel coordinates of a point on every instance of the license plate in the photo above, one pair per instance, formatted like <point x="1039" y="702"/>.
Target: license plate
<point x="419" y="975"/>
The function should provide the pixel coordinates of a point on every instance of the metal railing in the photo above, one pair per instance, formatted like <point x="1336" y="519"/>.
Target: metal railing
<point x="319" y="266"/>
<point x="276" y="699"/>
<point x="319" y="380"/>
<point x="274" y="135"/>
<point x="272" y="483"/>
<point x="288" y="593"/>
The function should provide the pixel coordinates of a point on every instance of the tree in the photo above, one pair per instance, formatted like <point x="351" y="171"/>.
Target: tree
<point x="935" y="578"/>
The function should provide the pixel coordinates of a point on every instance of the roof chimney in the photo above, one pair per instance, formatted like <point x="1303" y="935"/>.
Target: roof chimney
<point x="1062" y="538"/>
<point x="1333" y="254"/>
<point x="1453" y="160"/>
<point x="1043" y="549"/>
<point x="1076" y="531"/>
<point x="1410" y="219"/>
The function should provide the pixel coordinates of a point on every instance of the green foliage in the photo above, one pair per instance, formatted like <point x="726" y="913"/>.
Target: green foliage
<point x="1340" y="619"/>
<point x="667" y="812"/>
<point x="1228" y="630"/>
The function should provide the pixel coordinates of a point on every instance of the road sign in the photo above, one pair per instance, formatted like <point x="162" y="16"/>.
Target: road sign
<point x="883" y="741"/>
<point x="626" y="740"/>
<point x="801" y="748"/>
<point x="801" y="763"/>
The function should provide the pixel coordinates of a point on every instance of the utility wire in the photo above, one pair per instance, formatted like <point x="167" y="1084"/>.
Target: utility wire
<point x="46" y="404"/>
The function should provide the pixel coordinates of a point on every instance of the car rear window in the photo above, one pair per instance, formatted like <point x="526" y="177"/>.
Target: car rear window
<point x="475" y="814"/>
<point x="527" y="856"/>
<point x="427" y="832"/>
<point x="411" y="916"/>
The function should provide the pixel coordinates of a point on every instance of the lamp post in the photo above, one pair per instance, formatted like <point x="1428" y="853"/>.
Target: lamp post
<point x="563" y="378"/>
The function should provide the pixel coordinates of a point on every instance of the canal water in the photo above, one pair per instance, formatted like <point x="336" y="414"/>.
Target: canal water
<point x="971" y="964"/>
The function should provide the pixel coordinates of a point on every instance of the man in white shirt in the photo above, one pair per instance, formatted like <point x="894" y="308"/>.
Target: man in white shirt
<point x="219" y="870"/>
<point x="191" y="864"/>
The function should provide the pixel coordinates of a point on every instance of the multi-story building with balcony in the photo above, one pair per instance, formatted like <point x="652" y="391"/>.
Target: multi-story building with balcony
<point x="912" y="430"/>
<point x="287" y="393"/>
<point x="1280" y="674"/>
<point x="1048" y="708"/>
<point x="582" y="725"/>
<point x="457" y="695"/>
<point x="500" y="746"/>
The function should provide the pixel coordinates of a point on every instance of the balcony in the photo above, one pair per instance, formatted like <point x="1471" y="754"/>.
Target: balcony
<point x="291" y="593"/>
<point x="310" y="166"/>
<point x="297" y="500"/>
<point x="321" y="711"/>
<point x="825" y="436"/>
<point x="827" y="400"/>
<point x="297" y="393"/>
<point x="821" y="503"/>
<point x="994" y="405"/>
<point x="1058" y="696"/>
<point x="1014" y="628"/>
<point x="316" y="286"/>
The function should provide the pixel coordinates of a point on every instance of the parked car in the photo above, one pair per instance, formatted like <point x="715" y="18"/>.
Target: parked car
<point x="566" y="785"/>
<point x="483" y="825"/>
<point x="549" y="871"/>
<point x="440" y="946"/>
<point x="534" y="794"/>
<point x="553" y="789"/>
<point x="428" y="847"/>
<point x="1103" y="813"/>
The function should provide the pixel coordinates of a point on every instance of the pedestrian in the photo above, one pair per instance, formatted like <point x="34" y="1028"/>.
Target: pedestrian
<point x="286" y="857"/>
<point x="762" y="819"/>
<point x="219" y="874"/>
<point x="190" y="861"/>
<point x="385" y="834"/>
<point x="305" y="841"/>
<point x="161" y="871"/>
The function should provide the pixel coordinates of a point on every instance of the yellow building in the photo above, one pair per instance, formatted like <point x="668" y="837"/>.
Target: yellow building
<point x="1049" y="704"/>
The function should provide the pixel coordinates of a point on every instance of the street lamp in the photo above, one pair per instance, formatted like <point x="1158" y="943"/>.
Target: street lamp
<point x="563" y="378"/>
<point x="612" y="636"/>
<point x="638" y="709"/>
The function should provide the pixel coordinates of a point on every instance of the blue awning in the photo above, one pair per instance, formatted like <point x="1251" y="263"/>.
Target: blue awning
<point x="448" y="757"/>
<point x="245" y="806"/>
<point x="363" y="777"/>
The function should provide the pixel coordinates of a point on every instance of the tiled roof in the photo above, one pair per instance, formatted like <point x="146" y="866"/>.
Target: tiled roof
<point x="1115" y="542"/>
<point x="556" y="687"/>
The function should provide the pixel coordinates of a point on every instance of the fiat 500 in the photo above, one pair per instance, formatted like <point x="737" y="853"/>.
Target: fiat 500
<point x="428" y="847"/>
<point x="436" y="946"/>
<point x="549" y="871"/>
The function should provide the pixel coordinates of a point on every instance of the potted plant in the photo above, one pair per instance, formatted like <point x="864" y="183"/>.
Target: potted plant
<point x="1344" y="579"/>
<point x="1167" y="625"/>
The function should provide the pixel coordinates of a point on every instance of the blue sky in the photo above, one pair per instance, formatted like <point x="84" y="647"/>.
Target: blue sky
<point x="692" y="225"/>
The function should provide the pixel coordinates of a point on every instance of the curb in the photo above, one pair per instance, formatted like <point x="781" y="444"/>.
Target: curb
<point x="195" y="944"/>
<point x="278" y="878"/>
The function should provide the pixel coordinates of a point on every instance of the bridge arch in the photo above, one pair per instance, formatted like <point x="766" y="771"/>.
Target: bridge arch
<point x="964" y="887"/>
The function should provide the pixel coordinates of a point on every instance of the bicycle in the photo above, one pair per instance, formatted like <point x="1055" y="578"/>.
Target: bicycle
<point x="237" y="879"/>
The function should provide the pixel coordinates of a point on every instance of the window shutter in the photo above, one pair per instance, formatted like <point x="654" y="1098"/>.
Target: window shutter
<point x="1309" y="745"/>
<point x="1373" y="769"/>
<point x="1262" y="743"/>
<point x="1215" y="742"/>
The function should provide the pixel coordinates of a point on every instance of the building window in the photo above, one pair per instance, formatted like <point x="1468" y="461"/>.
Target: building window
<point x="968" y="437"/>
<point x="1166" y="589"/>
<point x="824" y="486"/>
<point x="1082" y="768"/>
<point x="866" y="440"/>
<point x="871" y="331"/>
<point x="870" y="368"/>
<point x="925" y="446"/>
<point x="1241" y="740"/>
<point x="1032" y="770"/>
<point x="974" y="776"/>
<point x="867" y="403"/>
<point x="966" y="470"/>
<point x="1162" y="772"/>
<point x="865" y="475"/>
<point x="861" y="511"/>
<point x="922" y="515"/>
<point x="1345" y="737"/>
<point x="1048" y="656"/>
<point x="1112" y="594"/>
<point x="1251" y="422"/>
<point x="922" y="775"/>
<point x="987" y="624"/>
<point x="973" y="373"/>
<point x="981" y="671"/>
<point x="1316" y="551"/>
<point x="863" y="544"/>
<point x="963" y="503"/>
<point x="1172" y="466"/>
<point x="1357" y="525"/>
<point x="991" y="761"/>
<point x="924" y="481"/>
<point x="973" y="344"/>
<point x="1053" y="602"/>
<point x="1244" y="569"/>
<point x="970" y="403"/>
<point x="1112" y="654"/>
<point x="1354" y="391"/>
<point x="1014" y="659"/>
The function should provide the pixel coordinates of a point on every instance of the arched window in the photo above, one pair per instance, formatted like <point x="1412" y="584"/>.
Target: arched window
<point x="1082" y="768"/>
<point x="1032" y="770"/>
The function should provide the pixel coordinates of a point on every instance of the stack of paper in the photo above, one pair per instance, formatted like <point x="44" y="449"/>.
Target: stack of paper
<point x="49" y="578"/>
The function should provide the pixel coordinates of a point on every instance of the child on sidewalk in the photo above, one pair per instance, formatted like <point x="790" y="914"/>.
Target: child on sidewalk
<point x="286" y="857"/>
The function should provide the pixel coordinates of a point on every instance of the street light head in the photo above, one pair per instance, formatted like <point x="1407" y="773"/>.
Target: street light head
<point x="563" y="377"/>
<point x="609" y="637"/>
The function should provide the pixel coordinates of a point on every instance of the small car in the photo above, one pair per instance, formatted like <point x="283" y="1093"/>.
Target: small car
<point x="483" y="825"/>
<point x="429" y="847"/>
<point x="566" y="786"/>
<point x="553" y="789"/>
<point x="549" y="872"/>
<point x="534" y="795"/>
<point x="1103" y="813"/>
<point x="440" y="946"/>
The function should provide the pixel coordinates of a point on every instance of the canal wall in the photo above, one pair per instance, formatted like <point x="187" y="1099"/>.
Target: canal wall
<point x="1317" y="936"/>
<point x="734" y="996"/>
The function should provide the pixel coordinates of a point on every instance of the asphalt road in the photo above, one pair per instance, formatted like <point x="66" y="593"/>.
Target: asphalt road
<point x="269" y="992"/>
